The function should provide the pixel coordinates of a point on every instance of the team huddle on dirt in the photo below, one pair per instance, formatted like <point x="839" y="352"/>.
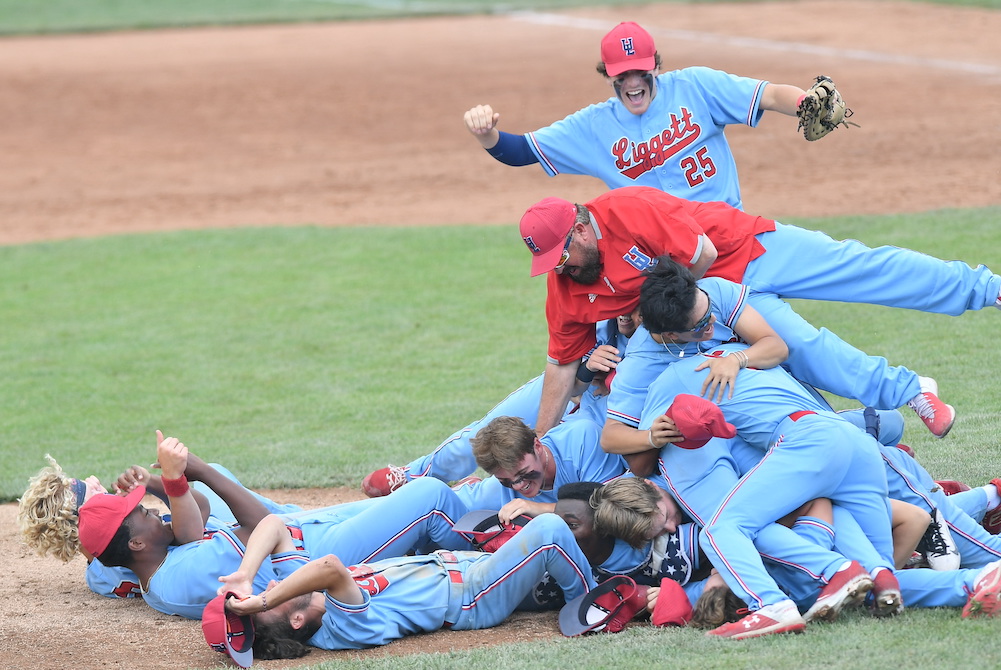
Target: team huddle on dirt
<point x="674" y="462"/>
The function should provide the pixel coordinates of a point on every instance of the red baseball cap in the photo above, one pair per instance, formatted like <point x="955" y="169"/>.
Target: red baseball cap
<point x="544" y="228"/>
<point x="227" y="632"/>
<point x="101" y="517"/>
<point x="699" y="420"/>
<point x="627" y="47"/>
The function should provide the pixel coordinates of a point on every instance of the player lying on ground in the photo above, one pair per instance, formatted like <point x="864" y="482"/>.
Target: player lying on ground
<point x="659" y="130"/>
<point x="527" y="470"/>
<point x="595" y="255"/>
<point x="176" y="564"/>
<point x="47" y="516"/>
<point x="330" y="605"/>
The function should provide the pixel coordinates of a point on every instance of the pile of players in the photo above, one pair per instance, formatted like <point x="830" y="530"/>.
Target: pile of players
<point x="674" y="460"/>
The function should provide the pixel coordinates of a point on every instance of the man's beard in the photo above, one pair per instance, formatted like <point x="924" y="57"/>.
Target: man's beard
<point x="589" y="272"/>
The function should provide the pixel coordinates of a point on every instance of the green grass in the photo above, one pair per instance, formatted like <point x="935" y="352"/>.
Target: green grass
<point x="54" y="16"/>
<point x="327" y="351"/>
<point x="308" y="356"/>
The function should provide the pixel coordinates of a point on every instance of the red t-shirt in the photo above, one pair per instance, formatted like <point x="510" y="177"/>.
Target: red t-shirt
<point x="635" y="225"/>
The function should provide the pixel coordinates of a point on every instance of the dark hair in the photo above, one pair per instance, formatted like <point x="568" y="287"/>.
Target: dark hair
<point x="603" y="71"/>
<point x="667" y="296"/>
<point x="118" y="554"/>
<point x="717" y="606"/>
<point x="577" y="491"/>
<point x="278" y="639"/>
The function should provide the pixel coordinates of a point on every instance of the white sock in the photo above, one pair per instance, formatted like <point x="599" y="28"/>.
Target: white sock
<point x="993" y="497"/>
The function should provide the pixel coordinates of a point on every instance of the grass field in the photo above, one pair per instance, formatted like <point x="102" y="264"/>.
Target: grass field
<point x="309" y="356"/>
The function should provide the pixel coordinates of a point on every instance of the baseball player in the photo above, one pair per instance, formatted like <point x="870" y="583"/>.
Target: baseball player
<point x="453" y="459"/>
<point x="527" y="471"/>
<point x="659" y="130"/>
<point x="595" y="255"/>
<point x="176" y="563"/>
<point x="47" y="515"/>
<point x="804" y="442"/>
<point x="722" y="311"/>
<point x="330" y="605"/>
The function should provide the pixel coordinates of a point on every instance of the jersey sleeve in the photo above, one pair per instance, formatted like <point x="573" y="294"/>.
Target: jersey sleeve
<point x="568" y="146"/>
<point x="731" y="99"/>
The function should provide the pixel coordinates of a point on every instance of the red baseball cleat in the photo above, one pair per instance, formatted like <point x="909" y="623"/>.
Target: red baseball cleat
<point x="782" y="617"/>
<point x="886" y="594"/>
<point x="847" y="588"/>
<point x="992" y="519"/>
<point x="951" y="486"/>
<point x="935" y="414"/>
<point x="986" y="597"/>
<point x="384" y="481"/>
<point x="907" y="450"/>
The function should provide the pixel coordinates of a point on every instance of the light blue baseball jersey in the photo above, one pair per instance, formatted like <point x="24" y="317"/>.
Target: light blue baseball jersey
<point x="463" y="590"/>
<point x="577" y="454"/>
<point x="646" y="359"/>
<point x="677" y="145"/>
<point x="189" y="576"/>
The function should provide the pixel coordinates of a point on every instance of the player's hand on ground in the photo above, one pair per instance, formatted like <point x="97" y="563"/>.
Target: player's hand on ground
<point x="603" y="359"/>
<point x="663" y="431"/>
<point x="134" y="476"/>
<point x="171" y="456"/>
<point x="238" y="583"/>
<point x="481" y="120"/>
<point x="721" y="378"/>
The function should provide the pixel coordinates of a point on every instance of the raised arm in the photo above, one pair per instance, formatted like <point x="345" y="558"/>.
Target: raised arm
<point x="247" y="509"/>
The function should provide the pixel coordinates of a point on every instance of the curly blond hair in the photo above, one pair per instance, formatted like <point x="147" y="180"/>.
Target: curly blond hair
<point x="47" y="513"/>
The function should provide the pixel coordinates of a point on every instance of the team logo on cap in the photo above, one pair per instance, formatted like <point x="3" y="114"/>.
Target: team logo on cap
<point x="627" y="46"/>
<point x="532" y="246"/>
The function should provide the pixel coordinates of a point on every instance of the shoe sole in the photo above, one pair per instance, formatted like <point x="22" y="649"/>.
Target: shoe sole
<point x="887" y="604"/>
<point x="853" y="594"/>
<point x="796" y="628"/>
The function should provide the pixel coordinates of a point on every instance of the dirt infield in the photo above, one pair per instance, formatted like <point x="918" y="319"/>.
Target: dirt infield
<point x="360" y="123"/>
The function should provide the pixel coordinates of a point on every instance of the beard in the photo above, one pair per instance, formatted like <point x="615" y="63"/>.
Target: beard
<point x="587" y="272"/>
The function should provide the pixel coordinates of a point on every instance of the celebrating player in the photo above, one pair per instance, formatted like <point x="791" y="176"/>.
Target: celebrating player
<point x="659" y="130"/>
<point x="329" y="605"/>
<point x="595" y="255"/>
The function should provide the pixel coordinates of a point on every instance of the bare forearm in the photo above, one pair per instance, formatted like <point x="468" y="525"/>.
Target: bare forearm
<point x="781" y="98"/>
<point x="618" y="438"/>
<point x="557" y="387"/>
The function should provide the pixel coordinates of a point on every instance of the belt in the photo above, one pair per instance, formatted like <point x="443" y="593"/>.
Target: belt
<point x="796" y="416"/>
<point x="297" y="539"/>
<point x="454" y="574"/>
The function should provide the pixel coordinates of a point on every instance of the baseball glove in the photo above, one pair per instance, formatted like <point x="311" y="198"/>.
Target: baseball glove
<point x="822" y="110"/>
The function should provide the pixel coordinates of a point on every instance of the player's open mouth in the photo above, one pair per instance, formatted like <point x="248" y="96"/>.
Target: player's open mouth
<point x="636" y="96"/>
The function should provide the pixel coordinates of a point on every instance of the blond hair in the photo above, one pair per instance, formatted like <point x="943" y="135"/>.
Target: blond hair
<point x="47" y="515"/>
<point x="625" y="508"/>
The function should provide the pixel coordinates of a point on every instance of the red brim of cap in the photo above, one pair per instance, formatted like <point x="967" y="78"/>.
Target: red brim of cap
<point x="644" y="64"/>
<point x="591" y="610"/>
<point x="545" y="262"/>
